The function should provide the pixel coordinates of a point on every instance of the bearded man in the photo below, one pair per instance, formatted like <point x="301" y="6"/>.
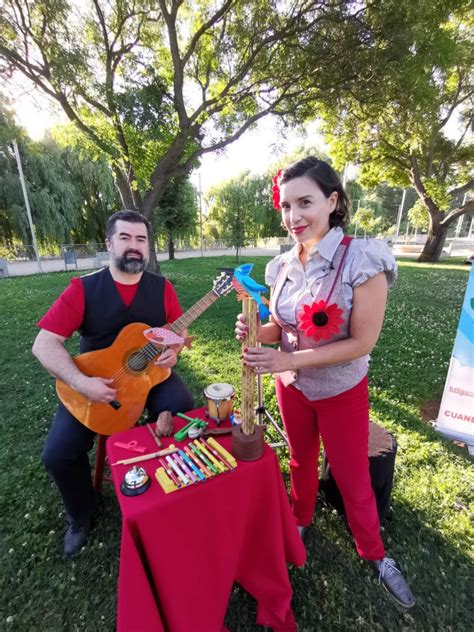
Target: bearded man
<point x="98" y="306"/>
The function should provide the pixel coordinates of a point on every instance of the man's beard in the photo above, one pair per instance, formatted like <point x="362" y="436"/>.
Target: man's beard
<point x="130" y="265"/>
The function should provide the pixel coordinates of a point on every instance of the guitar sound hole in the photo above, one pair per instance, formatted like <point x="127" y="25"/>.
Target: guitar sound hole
<point x="137" y="362"/>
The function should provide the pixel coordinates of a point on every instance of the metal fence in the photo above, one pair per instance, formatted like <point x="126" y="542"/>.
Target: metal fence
<point x="27" y="253"/>
<point x="71" y="252"/>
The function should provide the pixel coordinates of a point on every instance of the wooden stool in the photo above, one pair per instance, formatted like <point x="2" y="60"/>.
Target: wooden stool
<point x="100" y="456"/>
<point x="382" y="452"/>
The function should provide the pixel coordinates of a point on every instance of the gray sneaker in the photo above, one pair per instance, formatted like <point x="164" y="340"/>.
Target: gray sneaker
<point x="390" y="576"/>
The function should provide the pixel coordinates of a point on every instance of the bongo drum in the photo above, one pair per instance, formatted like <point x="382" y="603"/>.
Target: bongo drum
<point x="219" y="401"/>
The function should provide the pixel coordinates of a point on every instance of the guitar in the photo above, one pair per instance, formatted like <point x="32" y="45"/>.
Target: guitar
<point x="129" y="361"/>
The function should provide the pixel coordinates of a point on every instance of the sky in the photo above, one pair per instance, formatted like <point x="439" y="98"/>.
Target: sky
<point x="255" y="150"/>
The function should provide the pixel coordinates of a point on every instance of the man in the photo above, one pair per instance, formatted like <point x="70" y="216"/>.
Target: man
<point x="99" y="305"/>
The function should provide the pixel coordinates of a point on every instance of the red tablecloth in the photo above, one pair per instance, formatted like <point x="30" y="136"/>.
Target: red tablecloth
<point x="181" y="552"/>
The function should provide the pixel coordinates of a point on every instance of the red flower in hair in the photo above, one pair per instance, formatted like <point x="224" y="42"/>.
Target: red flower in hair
<point x="320" y="320"/>
<point x="276" y="190"/>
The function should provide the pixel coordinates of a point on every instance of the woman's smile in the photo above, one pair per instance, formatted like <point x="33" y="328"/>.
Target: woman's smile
<point x="297" y="230"/>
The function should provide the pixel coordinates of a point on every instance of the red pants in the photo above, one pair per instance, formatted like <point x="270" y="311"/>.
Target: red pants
<point x="342" y="422"/>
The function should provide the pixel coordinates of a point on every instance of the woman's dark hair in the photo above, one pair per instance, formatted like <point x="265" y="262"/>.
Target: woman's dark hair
<point x="327" y="180"/>
<point x="126" y="216"/>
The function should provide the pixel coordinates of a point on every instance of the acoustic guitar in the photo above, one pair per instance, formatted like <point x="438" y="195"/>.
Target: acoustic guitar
<point x="129" y="361"/>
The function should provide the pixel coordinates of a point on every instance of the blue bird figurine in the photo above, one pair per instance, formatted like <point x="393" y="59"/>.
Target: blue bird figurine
<point x="244" y="283"/>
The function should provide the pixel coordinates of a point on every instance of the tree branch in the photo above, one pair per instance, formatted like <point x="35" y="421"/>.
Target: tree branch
<point x="455" y="213"/>
<point x="291" y="28"/>
<point x="462" y="189"/>
<point x="406" y="166"/>
<point x="178" y="77"/>
<point x="466" y="129"/>
<point x="453" y="106"/>
<point x="110" y="96"/>
<point x="204" y="28"/>
<point x="429" y="204"/>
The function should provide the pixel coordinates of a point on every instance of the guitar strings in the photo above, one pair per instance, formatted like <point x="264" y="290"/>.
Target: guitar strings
<point x="121" y="377"/>
<point x="123" y="371"/>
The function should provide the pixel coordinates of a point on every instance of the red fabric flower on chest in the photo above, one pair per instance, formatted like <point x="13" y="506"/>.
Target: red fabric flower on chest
<point x="320" y="320"/>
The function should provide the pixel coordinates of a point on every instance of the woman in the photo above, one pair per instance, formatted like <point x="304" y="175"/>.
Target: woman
<point x="328" y="302"/>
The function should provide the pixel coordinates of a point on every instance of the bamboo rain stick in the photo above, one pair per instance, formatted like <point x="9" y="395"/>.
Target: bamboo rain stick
<point x="248" y="376"/>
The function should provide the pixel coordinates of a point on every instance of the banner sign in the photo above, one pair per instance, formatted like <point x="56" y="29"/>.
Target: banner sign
<point x="456" y="414"/>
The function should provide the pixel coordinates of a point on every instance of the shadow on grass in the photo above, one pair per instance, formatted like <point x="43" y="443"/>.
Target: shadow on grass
<point x="336" y="590"/>
<point x="393" y="415"/>
<point x="39" y="584"/>
<point x="347" y="595"/>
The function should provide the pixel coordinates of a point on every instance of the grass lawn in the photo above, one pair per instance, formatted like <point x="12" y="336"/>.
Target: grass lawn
<point x="430" y="531"/>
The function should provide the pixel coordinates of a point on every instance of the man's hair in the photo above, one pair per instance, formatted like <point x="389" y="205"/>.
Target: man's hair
<point x="126" y="216"/>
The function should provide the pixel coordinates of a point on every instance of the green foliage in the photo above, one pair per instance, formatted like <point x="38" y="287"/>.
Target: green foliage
<point x="241" y="210"/>
<point x="365" y="219"/>
<point x="153" y="87"/>
<point x="228" y="209"/>
<point x="395" y="127"/>
<point x="430" y="532"/>
<point x="390" y="199"/>
<point x="355" y="192"/>
<point x="177" y="214"/>
<point x="418" y="216"/>
<point x="70" y="196"/>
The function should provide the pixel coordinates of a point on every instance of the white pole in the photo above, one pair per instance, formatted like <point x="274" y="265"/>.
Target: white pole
<point x="460" y="220"/>
<point x="355" y="223"/>
<point x="400" y="212"/>
<point x="471" y="228"/>
<point x="200" y="213"/>
<point x="27" y="204"/>
<point x="344" y="175"/>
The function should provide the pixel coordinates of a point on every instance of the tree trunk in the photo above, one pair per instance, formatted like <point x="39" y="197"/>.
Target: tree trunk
<point x="149" y="212"/>
<point x="128" y="203"/>
<point x="171" y="256"/>
<point x="434" y="244"/>
<point x="438" y="228"/>
<point x="124" y="190"/>
<point x="153" y="264"/>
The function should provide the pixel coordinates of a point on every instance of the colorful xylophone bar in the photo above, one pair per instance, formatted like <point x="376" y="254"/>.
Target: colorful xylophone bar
<point x="195" y="463"/>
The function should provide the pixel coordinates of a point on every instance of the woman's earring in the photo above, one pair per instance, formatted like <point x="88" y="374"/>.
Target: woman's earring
<point x="284" y="226"/>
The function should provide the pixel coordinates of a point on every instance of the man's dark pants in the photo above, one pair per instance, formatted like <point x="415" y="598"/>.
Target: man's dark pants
<point x="65" y="454"/>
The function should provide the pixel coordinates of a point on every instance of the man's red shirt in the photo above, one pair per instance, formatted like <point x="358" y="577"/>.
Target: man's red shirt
<point x="66" y="314"/>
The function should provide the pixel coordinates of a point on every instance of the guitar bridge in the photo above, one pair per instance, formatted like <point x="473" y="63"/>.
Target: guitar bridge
<point x="115" y="404"/>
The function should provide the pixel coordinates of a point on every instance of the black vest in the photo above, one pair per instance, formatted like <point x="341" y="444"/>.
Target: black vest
<point x="106" y="314"/>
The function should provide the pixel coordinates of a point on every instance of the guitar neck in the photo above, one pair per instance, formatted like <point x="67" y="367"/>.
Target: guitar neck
<point x="194" y="312"/>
